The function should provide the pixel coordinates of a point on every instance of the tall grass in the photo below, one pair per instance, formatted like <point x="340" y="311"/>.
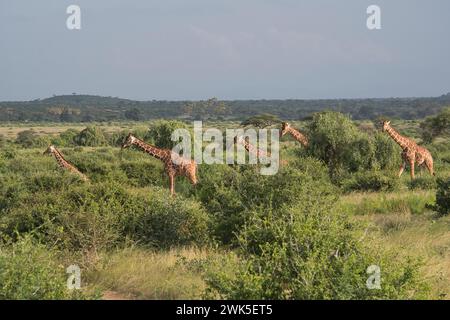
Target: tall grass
<point x="403" y="202"/>
<point x="137" y="273"/>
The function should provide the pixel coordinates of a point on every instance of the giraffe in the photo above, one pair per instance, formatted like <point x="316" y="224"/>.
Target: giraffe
<point x="300" y="137"/>
<point x="250" y="148"/>
<point x="254" y="150"/>
<point x="174" y="165"/>
<point x="411" y="151"/>
<point x="63" y="163"/>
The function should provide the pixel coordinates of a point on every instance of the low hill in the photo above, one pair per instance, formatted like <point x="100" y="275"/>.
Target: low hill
<point x="86" y="108"/>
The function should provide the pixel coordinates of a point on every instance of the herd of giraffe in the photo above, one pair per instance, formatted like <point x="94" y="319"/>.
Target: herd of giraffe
<point x="175" y="165"/>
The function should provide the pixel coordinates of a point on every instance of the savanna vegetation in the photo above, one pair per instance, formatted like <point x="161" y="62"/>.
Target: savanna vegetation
<point x="308" y="232"/>
<point x="89" y="108"/>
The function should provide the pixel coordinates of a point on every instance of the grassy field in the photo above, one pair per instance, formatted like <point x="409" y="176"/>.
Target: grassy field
<point x="122" y="266"/>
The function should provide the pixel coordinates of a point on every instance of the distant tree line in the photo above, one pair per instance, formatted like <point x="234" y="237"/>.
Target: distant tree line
<point x="88" y="108"/>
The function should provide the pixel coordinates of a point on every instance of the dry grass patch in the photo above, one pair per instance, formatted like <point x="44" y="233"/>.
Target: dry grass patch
<point x="146" y="274"/>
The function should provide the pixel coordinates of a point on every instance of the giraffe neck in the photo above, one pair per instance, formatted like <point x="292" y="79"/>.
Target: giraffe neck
<point x="63" y="163"/>
<point x="158" y="153"/>
<point x="397" y="137"/>
<point x="253" y="150"/>
<point x="298" y="136"/>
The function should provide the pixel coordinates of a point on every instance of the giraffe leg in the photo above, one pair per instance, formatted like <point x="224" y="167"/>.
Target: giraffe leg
<point x="411" y="163"/>
<point x="430" y="167"/>
<point x="172" y="184"/>
<point x="402" y="167"/>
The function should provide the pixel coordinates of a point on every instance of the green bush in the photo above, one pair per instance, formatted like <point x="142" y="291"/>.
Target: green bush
<point x="335" y="140"/>
<point x="307" y="251"/>
<point x="90" y="218"/>
<point x="91" y="137"/>
<point x="30" y="271"/>
<point x="66" y="138"/>
<point x="8" y="153"/>
<point x="142" y="174"/>
<point x="30" y="139"/>
<point x="443" y="196"/>
<point x="423" y="183"/>
<point x="218" y="190"/>
<point x="230" y="194"/>
<point x="370" y="181"/>
<point x="387" y="153"/>
<point x="157" y="219"/>
<point x="161" y="131"/>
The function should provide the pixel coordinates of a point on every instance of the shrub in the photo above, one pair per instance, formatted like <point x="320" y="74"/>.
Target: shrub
<point x="66" y="138"/>
<point x="29" y="270"/>
<point x="370" y="181"/>
<point x="90" y="136"/>
<point x="142" y="174"/>
<point x="161" y="131"/>
<point x="230" y="194"/>
<point x="307" y="251"/>
<point x="443" y="196"/>
<point x="424" y="183"/>
<point x="8" y="153"/>
<point x="159" y="220"/>
<point x="30" y="139"/>
<point x="387" y="154"/>
<point x="90" y="218"/>
<point x="336" y="141"/>
<point x="218" y="190"/>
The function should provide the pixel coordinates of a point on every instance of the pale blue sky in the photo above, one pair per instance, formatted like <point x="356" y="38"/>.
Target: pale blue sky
<point x="230" y="49"/>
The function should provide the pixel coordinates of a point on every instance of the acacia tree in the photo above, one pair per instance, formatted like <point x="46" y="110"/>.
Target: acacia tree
<point x="261" y="120"/>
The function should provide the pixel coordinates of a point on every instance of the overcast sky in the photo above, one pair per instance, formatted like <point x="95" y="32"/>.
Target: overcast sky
<point x="230" y="49"/>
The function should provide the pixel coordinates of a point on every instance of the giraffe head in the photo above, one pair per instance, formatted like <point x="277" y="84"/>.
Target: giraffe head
<point x="284" y="128"/>
<point x="50" y="150"/>
<point x="128" y="141"/>
<point x="386" y="125"/>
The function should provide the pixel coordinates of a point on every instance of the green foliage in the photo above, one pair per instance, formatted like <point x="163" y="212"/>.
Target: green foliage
<point x="202" y="110"/>
<point x="90" y="136"/>
<point x="84" y="108"/>
<point x="8" y="153"/>
<point x="157" y="219"/>
<point x="370" y="181"/>
<point x="387" y="153"/>
<point x="399" y="205"/>
<point x="142" y="174"/>
<point x="160" y="133"/>
<point x="30" y="139"/>
<point x="261" y="120"/>
<point x="307" y="251"/>
<point x="436" y="125"/>
<point x="336" y="141"/>
<point x="231" y="194"/>
<point x="30" y="271"/>
<point x="443" y="196"/>
<point x="133" y="114"/>
<point x="82" y="217"/>
<point x="66" y="138"/>
<point x="423" y="183"/>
